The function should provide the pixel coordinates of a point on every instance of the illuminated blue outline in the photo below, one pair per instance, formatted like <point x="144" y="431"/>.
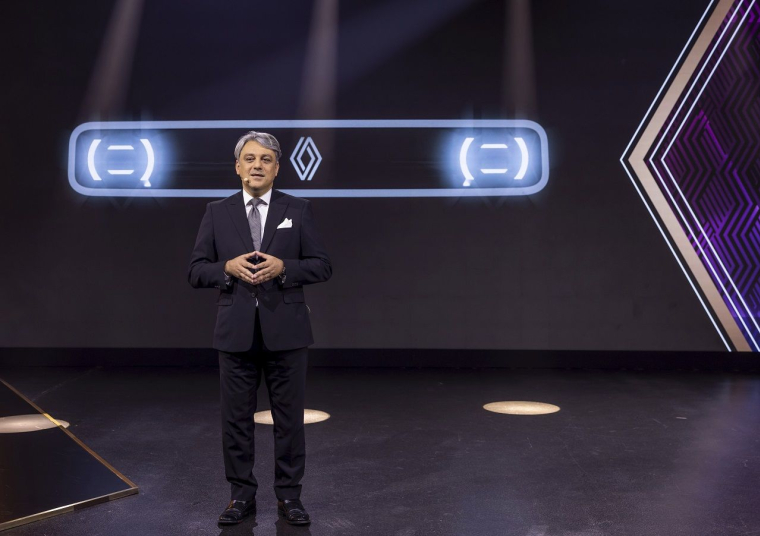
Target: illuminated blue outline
<point x="318" y="123"/>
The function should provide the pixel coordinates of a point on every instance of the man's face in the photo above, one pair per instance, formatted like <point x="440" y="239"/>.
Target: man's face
<point x="257" y="168"/>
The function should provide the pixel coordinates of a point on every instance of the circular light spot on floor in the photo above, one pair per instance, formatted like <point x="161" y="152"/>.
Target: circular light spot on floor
<point x="17" y="424"/>
<point x="310" y="416"/>
<point x="521" y="408"/>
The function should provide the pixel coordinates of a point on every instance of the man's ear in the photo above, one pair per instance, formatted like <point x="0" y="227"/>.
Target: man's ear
<point x="237" y="167"/>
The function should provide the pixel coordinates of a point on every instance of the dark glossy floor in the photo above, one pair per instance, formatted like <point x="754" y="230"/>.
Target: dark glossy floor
<point x="63" y="472"/>
<point x="412" y="452"/>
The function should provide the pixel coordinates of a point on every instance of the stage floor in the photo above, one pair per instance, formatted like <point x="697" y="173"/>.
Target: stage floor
<point x="412" y="452"/>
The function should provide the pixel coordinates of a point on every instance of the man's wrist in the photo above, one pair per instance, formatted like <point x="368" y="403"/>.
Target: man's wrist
<point x="227" y="277"/>
<point x="283" y="275"/>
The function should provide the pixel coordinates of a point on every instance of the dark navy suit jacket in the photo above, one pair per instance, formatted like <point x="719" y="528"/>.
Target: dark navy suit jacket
<point x="223" y="235"/>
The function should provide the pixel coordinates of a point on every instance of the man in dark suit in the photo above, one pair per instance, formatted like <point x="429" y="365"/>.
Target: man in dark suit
<point x="259" y="247"/>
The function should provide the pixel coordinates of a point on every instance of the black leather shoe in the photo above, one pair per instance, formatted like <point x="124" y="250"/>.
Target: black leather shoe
<point x="237" y="511"/>
<point x="293" y="512"/>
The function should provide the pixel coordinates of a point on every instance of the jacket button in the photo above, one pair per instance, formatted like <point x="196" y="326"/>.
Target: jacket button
<point x="253" y="294"/>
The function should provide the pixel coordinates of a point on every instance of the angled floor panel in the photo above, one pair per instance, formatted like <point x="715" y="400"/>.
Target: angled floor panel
<point x="49" y="472"/>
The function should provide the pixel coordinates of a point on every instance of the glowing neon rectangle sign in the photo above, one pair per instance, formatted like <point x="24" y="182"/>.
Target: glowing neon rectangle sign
<point x="321" y="158"/>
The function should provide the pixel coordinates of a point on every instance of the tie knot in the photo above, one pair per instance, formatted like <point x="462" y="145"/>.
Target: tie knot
<point x="256" y="201"/>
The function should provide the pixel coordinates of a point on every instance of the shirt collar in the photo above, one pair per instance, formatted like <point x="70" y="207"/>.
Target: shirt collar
<point x="266" y="197"/>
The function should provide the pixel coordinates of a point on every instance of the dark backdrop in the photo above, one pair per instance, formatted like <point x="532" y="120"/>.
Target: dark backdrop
<point x="579" y="265"/>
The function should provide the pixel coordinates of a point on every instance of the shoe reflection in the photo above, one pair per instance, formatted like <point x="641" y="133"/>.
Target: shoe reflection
<point x="284" y="529"/>
<point x="246" y="527"/>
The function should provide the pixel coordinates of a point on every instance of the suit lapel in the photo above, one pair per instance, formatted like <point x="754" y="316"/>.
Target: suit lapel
<point x="236" y="208"/>
<point x="277" y="205"/>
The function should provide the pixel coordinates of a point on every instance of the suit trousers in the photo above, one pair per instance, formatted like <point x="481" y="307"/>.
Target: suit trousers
<point x="285" y="375"/>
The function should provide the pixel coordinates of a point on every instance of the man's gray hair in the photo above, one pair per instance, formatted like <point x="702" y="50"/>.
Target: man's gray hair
<point x="265" y="140"/>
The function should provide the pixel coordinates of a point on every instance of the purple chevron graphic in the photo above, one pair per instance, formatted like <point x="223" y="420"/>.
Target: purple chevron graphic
<point x="704" y="161"/>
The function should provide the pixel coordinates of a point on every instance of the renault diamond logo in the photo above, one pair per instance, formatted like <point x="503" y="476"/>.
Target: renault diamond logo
<point x="306" y="171"/>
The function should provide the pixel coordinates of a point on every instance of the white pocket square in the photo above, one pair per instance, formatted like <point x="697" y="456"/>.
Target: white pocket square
<point x="287" y="223"/>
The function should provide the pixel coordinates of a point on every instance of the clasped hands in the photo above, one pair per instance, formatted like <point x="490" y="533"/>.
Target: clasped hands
<point x="269" y="268"/>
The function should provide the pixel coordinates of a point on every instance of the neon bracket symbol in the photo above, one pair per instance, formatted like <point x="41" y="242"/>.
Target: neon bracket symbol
<point x="145" y="179"/>
<point x="492" y="171"/>
<point x="120" y="148"/>
<point x="468" y="178"/>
